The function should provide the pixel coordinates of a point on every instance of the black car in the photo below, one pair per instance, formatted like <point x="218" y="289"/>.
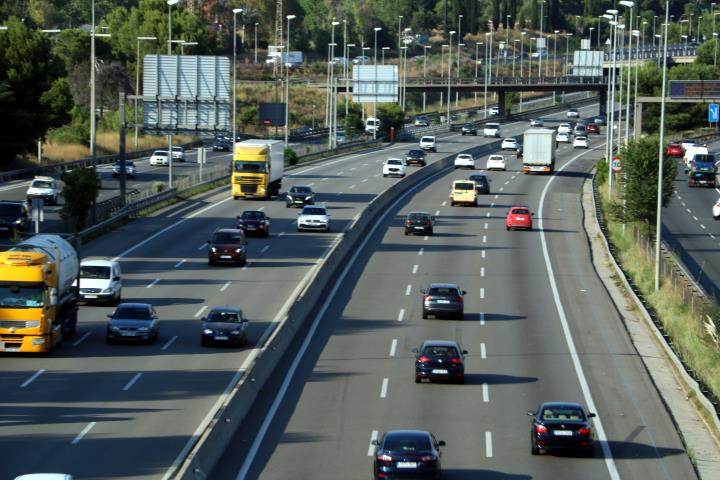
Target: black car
<point x="469" y="129"/>
<point x="300" y="195"/>
<point x="419" y="222"/>
<point x="416" y="156"/>
<point x="407" y="454"/>
<point x="130" y="169"/>
<point x="227" y="245"/>
<point x="482" y="183"/>
<point x="443" y="299"/>
<point x="14" y="217"/>
<point x="254" y="222"/>
<point x="440" y="360"/>
<point x="224" y="325"/>
<point x="561" y="426"/>
<point x="221" y="145"/>
<point x="133" y="322"/>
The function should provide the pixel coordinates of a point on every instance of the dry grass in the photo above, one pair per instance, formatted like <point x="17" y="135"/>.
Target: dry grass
<point x="681" y="323"/>
<point x="107" y="143"/>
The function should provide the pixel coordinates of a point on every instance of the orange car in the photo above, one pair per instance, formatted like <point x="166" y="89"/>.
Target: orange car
<point x="519" y="217"/>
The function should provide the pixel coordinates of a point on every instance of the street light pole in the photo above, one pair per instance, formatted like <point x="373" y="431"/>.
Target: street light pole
<point x="515" y="40"/>
<point x="540" y="43"/>
<point x="331" y="92"/>
<point x="347" y="80"/>
<point x="460" y="38"/>
<point x="375" y="85"/>
<point x="234" y="120"/>
<point x="400" y="62"/>
<point x="555" y="32"/>
<point x="287" y="81"/>
<point x="488" y="37"/>
<point x="661" y="155"/>
<point x="612" y="16"/>
<point x="630" y="4"/>
<point x="255" y="56"/>
<point x="442" y="70"/>
<point x="426" y="47"/>
<point x="522" y="58"/>
<point x="452" y="32"/>
<point x="137" y="83"/>
<point x="590" y="37"/>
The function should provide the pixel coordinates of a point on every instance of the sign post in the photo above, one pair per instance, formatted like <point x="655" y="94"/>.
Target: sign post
<point x="38" y="212"/>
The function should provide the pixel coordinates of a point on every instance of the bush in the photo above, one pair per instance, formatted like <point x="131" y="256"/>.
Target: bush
<point x="601" y="171"/>
<point x="77" y="131"/>
<point x="290" y="156"/>
<point x="81" y="188"/>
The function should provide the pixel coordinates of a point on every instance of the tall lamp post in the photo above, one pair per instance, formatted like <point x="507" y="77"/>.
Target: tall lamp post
<point x="541" y="47"/>
<point x="331" y="83"/>
<point x="477" y="62"/>
<point x="460" y="39"/>
<point x="426" y="48"/>
<point x="715" y="38"/>
<point x="555" y="32"/>
<point x="234" y="120"/>
<point x="400" y="63"/>
<point x="375" y="85"/>
<point x="383" y="54"/>
<point x="442" y="70"/>
<point x="658" y="231"/>
<point x="137" y="83"/>
<point x="404" y="52"/>
<point x="170" y="3"/>
<point x="522" y="56"/>
<point x="347" y="80"/>
<point x="567" y="54"/>
<point x="590" y="37"/>
<point x="255" y="51"/>
<point x="515" y="41"/>
<point x="611" y="15"/>
<point x="186" y="44"/>
<point x="488" y="39"/>
<point x="630" y="4"/>
<point x="287" y="82"/>
<point x="452" y="32"/>
<point x="457" y="92"/>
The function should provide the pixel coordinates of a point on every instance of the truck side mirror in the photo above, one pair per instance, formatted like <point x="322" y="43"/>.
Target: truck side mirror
<point x="53" y="297"/>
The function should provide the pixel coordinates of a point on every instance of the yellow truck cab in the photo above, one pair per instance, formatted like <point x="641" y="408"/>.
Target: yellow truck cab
<point x="463" y="192"/>
<point x="257" y="169"/>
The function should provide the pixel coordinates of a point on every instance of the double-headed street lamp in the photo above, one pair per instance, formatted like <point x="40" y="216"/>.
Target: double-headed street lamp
<point x="347" y="80"/>
<point x="375" y="84"/>
<point x="425" y="55"/>
<point x="611" y="15"/>
<point x="137" y="83"/>
<point x="452" y="32"/>
<point x="630" y="4"/>
<point x="488" y="42"/>
<point x="567" y="54"/>
<point x="590" y="37"/>
<point x="522" y="55"/>
<point x="255" y="56"/>
<point x="234" y="119"/>
<point x="287" y="81"/>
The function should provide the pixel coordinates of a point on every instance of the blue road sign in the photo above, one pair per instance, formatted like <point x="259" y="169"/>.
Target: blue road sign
<point x="713" y="113"/>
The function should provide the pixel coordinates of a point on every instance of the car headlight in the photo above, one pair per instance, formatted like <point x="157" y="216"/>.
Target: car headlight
<point x="207" y="331"/>
<point x="143" y="329"/>
<point x="289" y="197"/>
<point x="308" y="197"/>
<point x="114" y="328"/>
<point x="235" y="332"/>
<point x="18" y="221"/>
<point x="238" y="250"/>
<point x="213" y="249"/>
<point x="106" y="290"/>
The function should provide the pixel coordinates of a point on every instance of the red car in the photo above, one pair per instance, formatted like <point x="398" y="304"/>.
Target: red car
<point x="592" y="128"/>
<point x="674" y="150"/>
<point x="519" y="217"/>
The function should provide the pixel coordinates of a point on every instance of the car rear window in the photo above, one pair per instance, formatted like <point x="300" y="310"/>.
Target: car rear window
<point x="520" y="211"/>
<point x="464" y="186"/>
<point x="419" y="216"/>
<point x="440" y="351"/>
<point x="427" y="139"/>
<point x="41" y="184"/>
<point x="252" y="215"/>
<point x="414" y="443"/>
<point x="223" y="317"/>
<point x="563" y="413"/>
<point x="300" y="190"/>
<point x="9" y="209"/>
<point x="443" y="292"/>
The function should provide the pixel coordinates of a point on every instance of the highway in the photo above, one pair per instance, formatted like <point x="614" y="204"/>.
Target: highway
<point x="539" y="326"/>
<point x="136" y="407"/>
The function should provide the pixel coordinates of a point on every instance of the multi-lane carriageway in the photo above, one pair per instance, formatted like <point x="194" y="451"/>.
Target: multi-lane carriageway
<point x="129" y="411"/>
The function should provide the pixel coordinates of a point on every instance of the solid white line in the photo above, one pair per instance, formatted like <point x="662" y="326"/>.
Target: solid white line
<point x="482" y="318"/>
<point x="169" y="342"/>
<point x="485" y="394"/>
<point x="488" y="444"/>
<point x="153" y="283"/>
<point x="482" y="293"/>
<point x="482" y="271"/>
<point x="407" y="290"/>
<point x="393" y="347"/>
<point x="482" y="253"/>
<point x="281" y="234"/>
<point x="202" y="309"/>
<point x="132" y="382"/>
<point x="443" y="203"/>
<point x="383" y="389"/>
<point x="609" y="461"/>
<point x="420" y="252"/>
<point x="34" y="376"/>
<point x="401" y="315"/>
<point x="224" y="287"/>
<point x="180" y="263"/>
<point x="371" y="448"/>
<point x="84" y="432"/>
<point x="265" y="249"/>
<point x="483" y="353"/>
<point x="415" y="269"/>
<point x="79" y="340"/>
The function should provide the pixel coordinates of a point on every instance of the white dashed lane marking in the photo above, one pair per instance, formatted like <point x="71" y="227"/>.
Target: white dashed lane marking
<point x="384" y="388"/>
<point x="401" y="315"/>
<point x="393" y="347"/>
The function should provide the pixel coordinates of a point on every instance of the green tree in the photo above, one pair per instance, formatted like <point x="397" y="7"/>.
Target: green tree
<point x="81" y="189"/>
<point x="640" y="162"/>
<point x="390" y="115"/>
<point x="72" y="46"/>
<point x="706" y="52"/>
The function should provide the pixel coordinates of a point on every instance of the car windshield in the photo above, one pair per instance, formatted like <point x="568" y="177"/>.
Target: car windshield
<point x="313" y="211"/>
<point x="443" y="291"/>
<point x="427" y="139"/>
<point x="510" y="140"/>
<point x="128" y="163"/>
<point x="563" y="413"/>
<point x="227" y="237"/>
<point x="94" y="272"/>
<point x="416" y="153"/>
<point x="581" y="139"/>
<point x="178" y="149"/>
<point x="464" y="186"/>
<point x="9" y="209"/>
<point x="464" y="156"/>
<point x="224" y="317"/>
<point x="21" y="296"/>
<point x="496" y="158"/>
<point x="133" y="313"/>
<point x="469" y="125"/>
<point x="250" y="167"/>
<point x="42" y="184"/>
<point x="394" y="162"/>
<point x="253" y="215"/>
<point x="492" y="125"/>
<point x="478" y="178"/>
<point x="400" y="443"/>
<point x="520" y="211"/>
<point x="300" y="190"/>
<point x="159" y="153"/>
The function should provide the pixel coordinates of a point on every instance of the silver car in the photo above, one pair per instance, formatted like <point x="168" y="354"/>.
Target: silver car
<point x="133" y="322"/>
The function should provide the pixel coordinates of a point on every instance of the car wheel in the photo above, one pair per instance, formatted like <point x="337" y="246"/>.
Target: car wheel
<point x="287" y="205"/>
<point x="211" y="263"/>
<point x="417" y="380"/>
<point x="384" y="174"/>
<point x="507" y="228"/>
<point x="203" y="342"/>
<point x="109" y="340"/>
<point x="534" y="448"/>
<point x="430" y="232"/>
<point x="406" y="233"/>
<point x="461" y="380"/>
<point x="424" y="314"/>
<point x="235" y="197"/>
<point x="267" y="233"/>
<point x="461" y="316"/>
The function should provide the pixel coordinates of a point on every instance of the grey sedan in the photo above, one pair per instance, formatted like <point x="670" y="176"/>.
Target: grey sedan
<point x="133" y="322"/>
<point x="224" y="325"/>
<point x="443" y="299"/>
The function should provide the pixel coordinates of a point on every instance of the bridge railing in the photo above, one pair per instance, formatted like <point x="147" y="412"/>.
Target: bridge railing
<point x="508" y="80"/>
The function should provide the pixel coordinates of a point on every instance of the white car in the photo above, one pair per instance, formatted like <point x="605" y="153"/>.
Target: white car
<point x="580" y="142"/>
<point x="394" y="167"/>
<point x="100" y="281"/>
<point x="494" y="111"/>
<point x="716" y="210"/>
<point x="427" y="143"/>
<point x="160" y="157"/>
<point x="44" y="188"/>
<point x="465" y="160"/>
<point x="573" y="113"/>
<point x="313" y="217"/>
<point x="491" y="130"/>
<point x="509" y="144"/>
<point x="495" y="162"/>
<point x="562" y="137"/>
<point x="564" y="128"/>
<point x="178" y="153"/>
<point x="362" y="60"/>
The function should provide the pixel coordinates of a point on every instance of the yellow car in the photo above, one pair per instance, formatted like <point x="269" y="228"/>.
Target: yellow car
<point x="463" y="192"/>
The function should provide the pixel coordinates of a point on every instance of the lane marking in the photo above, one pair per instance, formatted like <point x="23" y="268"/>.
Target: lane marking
<point x="702" y="226"/>
<point x="437" y="213"/>
<point x="265" y="249"/>
<point x="341" y="173"/>
<point x="483" y="353"/>
<point x="353" y="168"/>
<point x="132" y="381"/>
<point x="247" y="264"/>
<point x="180" y="262"/>
<point x="488" y="445"/>
<point x="415" y="269"/>
<point x="79" y="340"/>
<point x="153" y="283"/>
<point x="496" y="197"/>
<point x="84" y="432"/>
<point x="393" y="347"/>
<point x="482" y="318"/>
<point x="32" y="378"/>
<point x="169" y="342"/>
<point x="339" y="193"/>
<point x="487" y="214"/>
<point x="351" y="187"/>
<point x="688" y="210"/>
<point x="202" y="309"/>
<point x="482" y="253"/>
<point x="407" y="290"/>
<point x="281" y="234"/>
<point x="482" y="293"/>
<point x="425" y="238"/>
<point x="695" y="218"/>
<point x="492" y="204"/>
<point x="324" y="179"/>
<point x="444" y="203"/>
<point x="507" y="182"/>
<point x="486" y="225"/>
<point x="203" y="245"/>
<point x="263" y="207"/>
<point x="502" y="188"/>
<point x="602" y="437"/>
<point x="682" y="203"/>
<point x="383" y="389"/>
<point x="482" y="271"/>
<point x="401" y="315"/>
<point x="363" y="180"/>
<point x="371" y="448"/>
<point x="486" y="395"/>
<point x="484" y="239"/>
<point x="712" y="236"/>
<point x="224" y="287"/>
<point x="420" y="252"/>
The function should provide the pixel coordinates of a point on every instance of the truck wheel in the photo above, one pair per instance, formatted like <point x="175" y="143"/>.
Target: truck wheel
<point x="235" y="197"/>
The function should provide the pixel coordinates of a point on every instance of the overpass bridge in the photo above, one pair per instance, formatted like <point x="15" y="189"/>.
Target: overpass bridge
<point x="677" y="53"/>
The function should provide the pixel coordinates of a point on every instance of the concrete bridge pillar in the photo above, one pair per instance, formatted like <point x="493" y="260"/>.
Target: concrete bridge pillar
<point x="501" y="103"/>
<point x="602" y="98"/>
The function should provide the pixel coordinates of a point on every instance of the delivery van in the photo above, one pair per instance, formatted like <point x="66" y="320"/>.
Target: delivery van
<point x="463" y="192"/>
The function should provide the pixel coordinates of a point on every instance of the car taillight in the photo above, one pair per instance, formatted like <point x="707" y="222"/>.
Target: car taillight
<point x="384" y="458"/>
<point x="428" y="222"/>
<point x="408" y="223"/>
<point x="455" y="361"/>
<point x="459" y="298"/>
<point x="423" y="359"/>
<point x="428" y="458"/>
<point x="584" y="431"/>
<point x="540" y="429"/>
<point x="427" y="298"/>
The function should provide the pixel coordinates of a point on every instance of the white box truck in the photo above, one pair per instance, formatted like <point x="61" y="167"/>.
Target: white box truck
<point x="539" y="150"/>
